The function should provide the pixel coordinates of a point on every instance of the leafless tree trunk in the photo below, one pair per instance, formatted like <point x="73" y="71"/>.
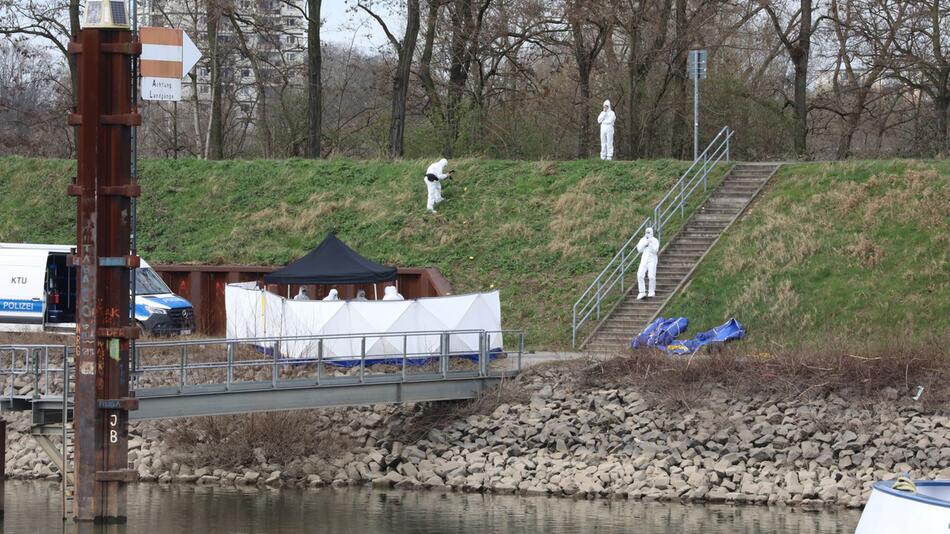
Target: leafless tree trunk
<point x="314" y="80"/>
<point x="798" y="46"/>
<point x="404" y="51"/>
<point x="214" y="148"/>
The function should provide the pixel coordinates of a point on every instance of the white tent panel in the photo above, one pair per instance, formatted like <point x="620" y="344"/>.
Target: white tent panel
<point x="252" y="312"/>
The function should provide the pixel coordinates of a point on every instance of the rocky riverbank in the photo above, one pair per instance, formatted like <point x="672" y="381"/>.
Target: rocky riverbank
<point x="564" y="440"/>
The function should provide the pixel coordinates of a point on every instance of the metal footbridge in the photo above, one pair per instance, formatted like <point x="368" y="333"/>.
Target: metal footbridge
<point x="200" y="377"/>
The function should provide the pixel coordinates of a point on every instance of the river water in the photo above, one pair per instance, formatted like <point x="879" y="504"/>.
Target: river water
<point x="34" y="507"/>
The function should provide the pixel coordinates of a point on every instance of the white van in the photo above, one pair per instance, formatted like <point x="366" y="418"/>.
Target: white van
<point x="38" y="293"/>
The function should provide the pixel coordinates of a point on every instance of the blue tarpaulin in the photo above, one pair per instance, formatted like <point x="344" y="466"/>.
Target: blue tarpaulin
<point x="656" y="335"/>
<point x="660" y="332"/>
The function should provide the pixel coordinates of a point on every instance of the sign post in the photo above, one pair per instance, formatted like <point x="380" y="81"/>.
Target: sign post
<point x="168" y="54"/>
<point x="696" y="66"/>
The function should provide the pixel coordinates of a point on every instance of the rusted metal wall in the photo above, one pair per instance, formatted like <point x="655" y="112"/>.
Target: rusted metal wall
<point x="203" y="286"/>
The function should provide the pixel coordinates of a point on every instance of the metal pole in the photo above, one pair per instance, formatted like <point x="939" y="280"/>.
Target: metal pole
<point x="696" y="112"/>
<point x="319" y="361"/>
<point x="405" y="350"/>
<point x="362" y="359"/>
<point x="574" y="328"/>
<point x="230" y="378"/>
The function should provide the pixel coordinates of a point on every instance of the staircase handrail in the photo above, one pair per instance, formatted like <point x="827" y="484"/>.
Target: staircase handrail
<point x="614" y="274"/>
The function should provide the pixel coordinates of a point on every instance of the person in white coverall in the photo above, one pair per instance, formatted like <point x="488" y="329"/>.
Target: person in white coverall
<point x="302" y="294"/>
<point x="434" y="176"/>
<point x="607" y="118"/>
<point x="392" y="294"/>
<point x="332" y="295"/>
<point x="648" y="247"/>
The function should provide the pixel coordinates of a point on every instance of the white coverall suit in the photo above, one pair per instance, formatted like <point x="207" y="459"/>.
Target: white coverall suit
<point x="434" y="187"/>
<point x="392" y="294"/>
<point x="648" y="247"/>
<point x="607" y="118"/>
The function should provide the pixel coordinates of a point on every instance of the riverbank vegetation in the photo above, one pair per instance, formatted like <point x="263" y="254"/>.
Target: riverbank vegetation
<point x="849" y="251"/>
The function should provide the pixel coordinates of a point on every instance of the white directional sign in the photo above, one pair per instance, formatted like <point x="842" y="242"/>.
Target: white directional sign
<point x="168" y="54"/>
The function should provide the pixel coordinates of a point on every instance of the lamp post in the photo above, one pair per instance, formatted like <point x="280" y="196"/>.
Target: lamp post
<point x="105" y="116"/>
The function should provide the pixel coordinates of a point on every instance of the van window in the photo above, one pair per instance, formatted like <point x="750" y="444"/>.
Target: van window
<point x="147" y="282"/>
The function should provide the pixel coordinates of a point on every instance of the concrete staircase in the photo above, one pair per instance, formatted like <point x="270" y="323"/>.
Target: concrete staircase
<point x="679" y="258"/>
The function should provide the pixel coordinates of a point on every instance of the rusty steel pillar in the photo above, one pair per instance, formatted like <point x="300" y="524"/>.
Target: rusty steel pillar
<point x="105" y="116"/>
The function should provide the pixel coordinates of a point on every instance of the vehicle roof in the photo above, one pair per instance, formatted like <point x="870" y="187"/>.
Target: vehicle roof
<point x="33" y="246"/>
<point x="52" y="248"/>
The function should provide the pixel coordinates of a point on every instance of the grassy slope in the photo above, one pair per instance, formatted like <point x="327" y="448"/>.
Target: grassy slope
<point x="539" y="231"/>
<point x="843" y="250"/>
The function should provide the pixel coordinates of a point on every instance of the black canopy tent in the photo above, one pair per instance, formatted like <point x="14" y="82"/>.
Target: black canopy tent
<point x="331" y="263"/>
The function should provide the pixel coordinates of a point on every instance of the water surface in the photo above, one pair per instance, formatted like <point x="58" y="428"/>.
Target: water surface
<point x="33" y="507"/>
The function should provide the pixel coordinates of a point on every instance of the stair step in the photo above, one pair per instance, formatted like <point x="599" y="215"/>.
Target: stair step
<point x="693" y="240"/>
<point x="626" y="317"/>
<point x="688" y="248"/>
<point x="738" y="186"/>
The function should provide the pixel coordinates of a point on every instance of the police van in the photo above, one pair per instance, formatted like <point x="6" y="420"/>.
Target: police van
<point x="38" y="293"/>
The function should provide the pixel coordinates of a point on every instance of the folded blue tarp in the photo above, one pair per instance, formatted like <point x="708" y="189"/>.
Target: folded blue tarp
<point x="660" y="332"/>
<point x="727" y="331"/>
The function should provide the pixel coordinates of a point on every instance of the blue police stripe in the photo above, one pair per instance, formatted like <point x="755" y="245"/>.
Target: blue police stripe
<point x="21" y="306"/>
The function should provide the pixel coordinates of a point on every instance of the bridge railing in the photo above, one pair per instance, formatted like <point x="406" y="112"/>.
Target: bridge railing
<point x="225" y="364"/>
<point x="173" y="366"/>
<point x="34" y="369"/>
<point x="612" y="281"/>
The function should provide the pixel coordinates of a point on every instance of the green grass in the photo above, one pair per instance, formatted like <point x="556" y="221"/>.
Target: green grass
<point x="842" y="251"/>
<point x="828" y="250"/>
<point x="538" y="231"/>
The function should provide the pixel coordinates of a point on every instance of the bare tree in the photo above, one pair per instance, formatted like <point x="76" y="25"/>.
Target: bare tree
<point x="404" y="50"/>
<point x="865" y="32"/>
<point x="590" y="24"/>
<point x="922" y="59"/>
<point x="795" y="30"/>
<point x="214" y="148"/>
<point x="314" y="80"/>
<point x="647" y="32"/>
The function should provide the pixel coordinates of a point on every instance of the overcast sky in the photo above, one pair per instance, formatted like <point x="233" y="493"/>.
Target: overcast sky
<point x="341" y="25"/>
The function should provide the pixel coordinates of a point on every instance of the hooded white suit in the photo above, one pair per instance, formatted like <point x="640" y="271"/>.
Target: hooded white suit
<point x="302" y="294"/>
<point x="434" y="187"/>
<point x="648" y="247"/>
<point x="607" y="120"/>
<point x="332" y="295"/>
<point x="392" y="294"/>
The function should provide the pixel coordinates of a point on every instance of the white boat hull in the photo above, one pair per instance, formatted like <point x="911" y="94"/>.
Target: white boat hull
<point x="889" y="511"/>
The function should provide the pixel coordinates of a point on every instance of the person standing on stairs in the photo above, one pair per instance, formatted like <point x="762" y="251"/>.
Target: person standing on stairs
<point x="648" y="247"/>
<point x="607" y="118"/>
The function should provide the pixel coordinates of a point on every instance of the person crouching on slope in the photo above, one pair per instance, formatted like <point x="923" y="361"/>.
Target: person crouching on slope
<point x="434" y="176"/>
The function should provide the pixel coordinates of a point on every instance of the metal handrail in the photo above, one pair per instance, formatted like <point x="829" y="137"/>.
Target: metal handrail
<point x="614" y="274"/>
<point x="23" y="361"/>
